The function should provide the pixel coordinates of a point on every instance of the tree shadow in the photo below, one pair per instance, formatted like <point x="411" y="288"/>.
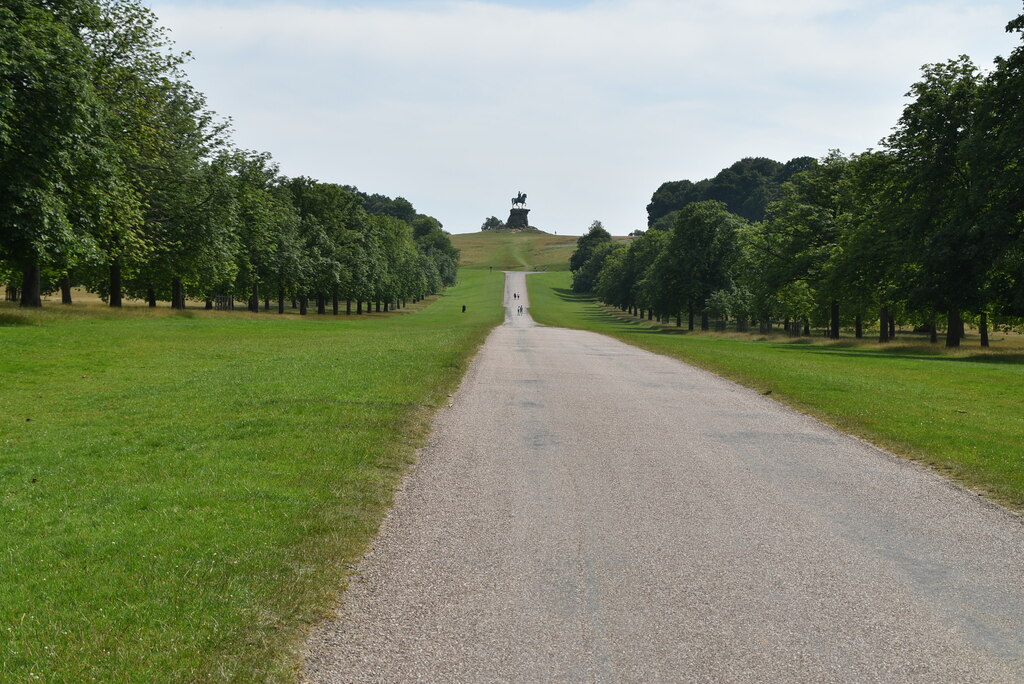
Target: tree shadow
<point x="807" y="345"/>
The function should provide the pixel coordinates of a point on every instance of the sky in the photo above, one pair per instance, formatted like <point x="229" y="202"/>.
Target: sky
<point x="587" y="106"/>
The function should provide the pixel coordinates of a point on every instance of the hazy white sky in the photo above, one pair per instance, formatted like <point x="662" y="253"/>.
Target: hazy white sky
<point x="587" y="106"/>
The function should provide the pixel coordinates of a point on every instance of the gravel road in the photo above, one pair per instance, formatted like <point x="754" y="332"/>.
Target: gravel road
<point x="587" y="511"/>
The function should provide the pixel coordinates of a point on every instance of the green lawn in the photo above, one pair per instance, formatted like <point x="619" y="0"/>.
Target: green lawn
<point x="961" y="411"/>
<point x="182" y="493"/>
<point x="505" y="250"/>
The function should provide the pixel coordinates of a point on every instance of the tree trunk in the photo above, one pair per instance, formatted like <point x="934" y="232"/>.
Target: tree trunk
<point x="378" y="306"/>
<point x="303" y="305"/>
<point x="151" y="297"/>
<point x="983" y="329"/>
<point x="348" y="307"/>
<point x="115" y="283"/>
<point x="334" y="301"/>
<point x="892" y="327"/>
<point x="679" y="319"/>
<point x="209" y="304"/>
<point x="254" y="300"/>
<point x="321" y="303"/>
<point x="385" y="307"/>
<point x="359" y="307"/>
<point x="31" y="286"/>
<point x="177" y="296"/>
<point x="858" y="327"/>
<point x="689" y="319"/>
<point x="834" y="323"/>
<point x="704" y="321"/>
<point x="266" y="303"/>
<point x="807" y="327"/>
<point x="280" y="299"/>
<point x="953" y="326"/>
<point x="65" y="289"/>
<point x="883" y="324"/>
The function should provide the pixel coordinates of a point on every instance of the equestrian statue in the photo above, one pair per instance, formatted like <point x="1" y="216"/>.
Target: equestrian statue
<point x="519" y="199"/>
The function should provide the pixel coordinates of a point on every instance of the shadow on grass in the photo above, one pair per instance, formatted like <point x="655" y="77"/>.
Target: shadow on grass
<point x="808" y="345"/>
<point x="11" y="319"/>
<point x="917" y="353"/>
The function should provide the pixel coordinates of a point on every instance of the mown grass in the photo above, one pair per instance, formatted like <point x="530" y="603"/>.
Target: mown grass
<point x="960" y="411"/>
<point x="505" y="250"/>
<point x="181" y="493"/>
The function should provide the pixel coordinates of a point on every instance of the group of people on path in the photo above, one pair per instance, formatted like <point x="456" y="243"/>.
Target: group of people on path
<point x="519" y="309"/>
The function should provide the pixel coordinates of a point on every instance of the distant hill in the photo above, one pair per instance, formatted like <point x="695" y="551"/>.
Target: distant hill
<point x="746" y="188"/>
<point x="503" y="250"/>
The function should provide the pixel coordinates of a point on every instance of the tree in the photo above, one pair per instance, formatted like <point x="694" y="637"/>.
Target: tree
<point x="935" y="211"/>
<point x="49" y="115"/>
<point x="586" y="244"/>
<point x="585" y="278"/>
<point x="746" y="187"/>
<point x="697" y="259"/>
<point x="491" y="223"/>
<point x="805" y="225"/>
<point x="164" y="145"/>
<point x="994" y="150"/>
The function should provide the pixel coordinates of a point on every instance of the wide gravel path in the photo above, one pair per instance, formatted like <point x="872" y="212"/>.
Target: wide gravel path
<point x="587" y="511"/>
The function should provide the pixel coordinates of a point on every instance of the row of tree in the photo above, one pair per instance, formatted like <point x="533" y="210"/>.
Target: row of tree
<point x="925" y="229"/>
<point x="115" y="176"/>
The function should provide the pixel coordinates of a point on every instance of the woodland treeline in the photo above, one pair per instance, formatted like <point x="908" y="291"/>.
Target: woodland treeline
<point x="116" y="177"/>
<point x="926" y="231"/>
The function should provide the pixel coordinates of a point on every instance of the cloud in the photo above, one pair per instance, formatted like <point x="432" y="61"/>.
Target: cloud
<point x="588" y="107"/>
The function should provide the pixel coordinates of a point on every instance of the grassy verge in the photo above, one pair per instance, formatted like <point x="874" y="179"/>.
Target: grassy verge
<point x="959" y="411"/>
<point x="181" y="493"/>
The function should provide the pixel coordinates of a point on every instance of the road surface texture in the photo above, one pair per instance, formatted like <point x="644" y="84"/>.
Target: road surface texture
<point x="587" y="511"/>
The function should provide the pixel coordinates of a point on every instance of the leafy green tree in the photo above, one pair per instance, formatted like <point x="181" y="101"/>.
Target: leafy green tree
<point x="585" y="245"/>
<point x="697" y="260"/>
<point x="491" y="223"/>
<point x="585" y="278"/>
<point x="49" y="115"/>
<point x="164" y="144"/>
<point x="611" y="286"/>
<point x="994" y="151"/>
<point x="436" y="244"/>
<point x="746" y="187"/>
<point x="641" y="255"/>
<point x="936" y="215"/>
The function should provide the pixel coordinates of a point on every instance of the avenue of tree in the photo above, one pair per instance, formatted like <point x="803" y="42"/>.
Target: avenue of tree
<point x="116" y="177"/>
<point x="926" y="230"/>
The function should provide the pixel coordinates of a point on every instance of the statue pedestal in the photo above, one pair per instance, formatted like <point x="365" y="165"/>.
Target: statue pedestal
<point x="517" y="219"/>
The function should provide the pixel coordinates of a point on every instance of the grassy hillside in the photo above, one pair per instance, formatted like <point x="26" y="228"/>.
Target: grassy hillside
<point x="504" y="250"/>
<point x="957" y="410"/>
<point x="182" y="492"/>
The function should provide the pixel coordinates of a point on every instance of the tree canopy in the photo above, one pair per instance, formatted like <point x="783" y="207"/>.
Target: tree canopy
<point x="929" y="227"/>
<point x="115" y="176"/>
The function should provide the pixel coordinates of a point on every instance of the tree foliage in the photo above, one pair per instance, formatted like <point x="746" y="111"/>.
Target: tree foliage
<point x="930" y="226"/>
<point x="116" y="176"/>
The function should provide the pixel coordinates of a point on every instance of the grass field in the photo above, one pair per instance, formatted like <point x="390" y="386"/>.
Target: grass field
<point x="182" y="492"/>
<point x="961" y="411"/>
<point x="505" y="250"/>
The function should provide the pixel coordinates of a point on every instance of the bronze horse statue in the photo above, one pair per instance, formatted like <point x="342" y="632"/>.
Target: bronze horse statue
<point x="519" y="199"/>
